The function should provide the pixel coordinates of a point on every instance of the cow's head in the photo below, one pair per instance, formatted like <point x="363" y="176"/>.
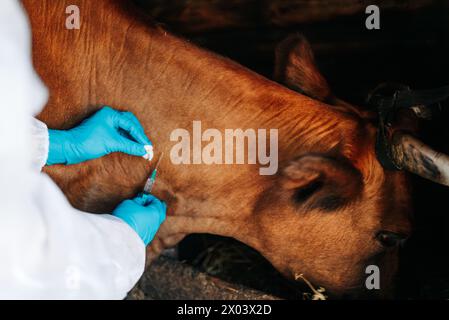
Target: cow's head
<point x="329" y="216"/>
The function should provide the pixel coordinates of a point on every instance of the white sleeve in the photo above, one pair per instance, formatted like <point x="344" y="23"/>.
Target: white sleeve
<point x="51" y="251"/>
<point x="47" y="248"/>
<point x="40" y="143"/>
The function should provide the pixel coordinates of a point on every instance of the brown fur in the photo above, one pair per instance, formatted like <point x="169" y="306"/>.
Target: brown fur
<point x="118" y="58"/>
<point x="295" y="67"/>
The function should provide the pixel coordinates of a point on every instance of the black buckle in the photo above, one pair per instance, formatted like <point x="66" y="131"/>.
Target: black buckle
<point x="383" y="98"/>
<point x="387" y="99"/>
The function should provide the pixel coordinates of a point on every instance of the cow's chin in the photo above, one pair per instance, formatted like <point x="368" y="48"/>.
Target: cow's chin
<point x="346" y="282"/>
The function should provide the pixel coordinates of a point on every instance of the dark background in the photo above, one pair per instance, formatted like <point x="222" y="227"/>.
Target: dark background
<point x="412" y="47"/>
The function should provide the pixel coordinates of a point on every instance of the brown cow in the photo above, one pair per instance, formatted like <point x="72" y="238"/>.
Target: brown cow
<point x="329" y="212"/>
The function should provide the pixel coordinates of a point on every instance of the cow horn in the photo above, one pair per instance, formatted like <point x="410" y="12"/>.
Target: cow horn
<point x="414" y="156"/>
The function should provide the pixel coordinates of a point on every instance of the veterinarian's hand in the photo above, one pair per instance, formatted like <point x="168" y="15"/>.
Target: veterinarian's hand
<point x="144" y="214"/>
<point x="105" y="132"/>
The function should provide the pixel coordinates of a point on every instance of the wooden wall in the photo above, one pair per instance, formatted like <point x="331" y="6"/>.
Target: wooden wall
<point x="410" y="47"/>
<point x="206" y="15"/>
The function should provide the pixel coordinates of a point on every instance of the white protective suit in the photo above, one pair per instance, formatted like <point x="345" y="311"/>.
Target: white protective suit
<point x="48" y="250"/>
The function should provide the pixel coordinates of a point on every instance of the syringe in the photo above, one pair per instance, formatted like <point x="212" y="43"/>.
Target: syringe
<point x="152" y="178"/>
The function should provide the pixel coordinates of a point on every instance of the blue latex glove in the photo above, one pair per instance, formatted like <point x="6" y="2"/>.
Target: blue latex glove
<point x="144" y="214"/>
<point x="105" y="132"/>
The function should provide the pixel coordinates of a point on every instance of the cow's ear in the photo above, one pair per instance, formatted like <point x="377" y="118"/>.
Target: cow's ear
<point x="295" y="67"/>
<point x="318" y="181"/>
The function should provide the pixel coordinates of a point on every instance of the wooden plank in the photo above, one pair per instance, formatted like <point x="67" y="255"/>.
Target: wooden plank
<point x="190" y="16"/>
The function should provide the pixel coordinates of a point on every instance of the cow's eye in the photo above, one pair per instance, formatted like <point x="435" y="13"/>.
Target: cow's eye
<point x="304" y="193"/>
<point x="390" y="239"/>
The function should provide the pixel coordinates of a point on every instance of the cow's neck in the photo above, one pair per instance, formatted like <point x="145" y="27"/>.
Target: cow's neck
<point x="185" y="84"/>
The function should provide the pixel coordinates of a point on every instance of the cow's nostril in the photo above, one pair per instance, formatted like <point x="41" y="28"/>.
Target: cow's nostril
<point x="390" y="239"/>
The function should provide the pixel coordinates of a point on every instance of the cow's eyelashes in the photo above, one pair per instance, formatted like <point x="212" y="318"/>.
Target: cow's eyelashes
<point x="304" y="193"/>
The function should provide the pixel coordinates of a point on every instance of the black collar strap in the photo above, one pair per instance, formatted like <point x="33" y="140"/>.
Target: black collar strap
<point x="408" y="98"/>
<point x="387" y="105"/>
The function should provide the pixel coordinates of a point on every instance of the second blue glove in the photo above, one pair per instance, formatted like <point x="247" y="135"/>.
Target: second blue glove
<point x="144" y="214"/>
